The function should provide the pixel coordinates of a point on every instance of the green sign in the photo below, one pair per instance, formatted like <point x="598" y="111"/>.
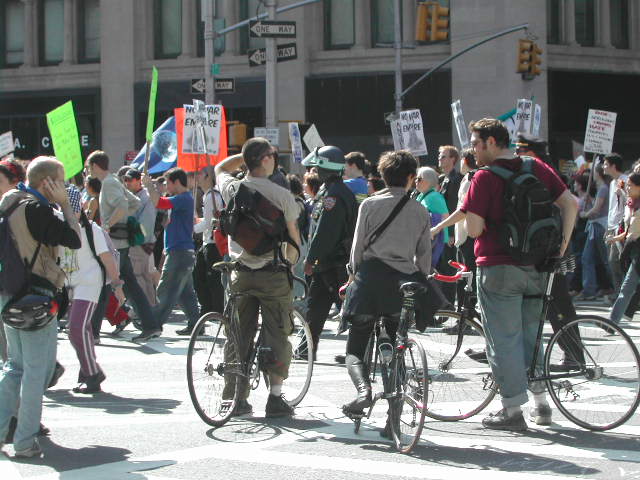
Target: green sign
<point x="151" y="112"/>
<point x="64" y="135"/>
<point x="215" y="69"/>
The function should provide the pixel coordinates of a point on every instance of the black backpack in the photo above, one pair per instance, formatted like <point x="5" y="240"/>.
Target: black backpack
<point x="531" y="230"/>
<point x="14" y="271"/>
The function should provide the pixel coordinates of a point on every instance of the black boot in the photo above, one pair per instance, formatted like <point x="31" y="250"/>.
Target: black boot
<point x="355" y="367"/>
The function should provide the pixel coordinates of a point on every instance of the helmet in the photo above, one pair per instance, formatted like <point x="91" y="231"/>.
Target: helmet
<point x="30" y="312"/>
<point x="327" y="157"/>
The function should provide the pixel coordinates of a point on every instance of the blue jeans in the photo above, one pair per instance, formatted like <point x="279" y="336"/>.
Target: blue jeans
<point x="627" y="290"/>
<point x="595" y="252"/>
<point x="134" y="293"/>
<point x="23" y="380"/>
<point x="511" y="324"/>
<point x="176" y="286"/>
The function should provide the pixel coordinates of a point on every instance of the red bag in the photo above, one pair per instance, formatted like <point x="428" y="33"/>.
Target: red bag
<point x="222" y="242"/>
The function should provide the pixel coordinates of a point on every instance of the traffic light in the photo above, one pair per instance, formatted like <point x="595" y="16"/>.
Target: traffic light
<point x="536" y="60"/>
<point x="432" y="22"/>
<point x="524" y="55"/>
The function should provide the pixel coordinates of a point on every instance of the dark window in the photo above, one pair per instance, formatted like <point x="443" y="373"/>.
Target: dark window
<point x="12" y="36"/>
<point x="553" y="21"/>
<point x="382" y="22"/>
<point x="51" y="31"/>
<point x="218" y="24"/>
<point x="167" y="28"/>
<point x="249" y="9"/>
<point x="620" y="23"/>
<point x="585" y="23"/>
<point x="339" y="24"/>
<point x="88" y="31"/>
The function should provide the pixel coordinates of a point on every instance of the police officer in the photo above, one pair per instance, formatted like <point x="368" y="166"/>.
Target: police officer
<point x="333" y="221"/>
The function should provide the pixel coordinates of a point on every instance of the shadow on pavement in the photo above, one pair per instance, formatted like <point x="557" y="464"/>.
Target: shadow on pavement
<point x="114" y="404"/>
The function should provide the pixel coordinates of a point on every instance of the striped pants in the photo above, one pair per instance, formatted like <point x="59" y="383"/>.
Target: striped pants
<point x="81" y="336"/>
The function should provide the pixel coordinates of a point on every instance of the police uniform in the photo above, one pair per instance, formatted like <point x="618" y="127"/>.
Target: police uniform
<point x="333" y="221"/>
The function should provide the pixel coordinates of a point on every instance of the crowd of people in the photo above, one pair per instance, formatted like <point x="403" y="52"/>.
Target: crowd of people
<point x="129" y="248"/>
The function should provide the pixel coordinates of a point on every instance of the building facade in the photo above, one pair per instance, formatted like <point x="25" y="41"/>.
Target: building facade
<point x="100" y="55"/>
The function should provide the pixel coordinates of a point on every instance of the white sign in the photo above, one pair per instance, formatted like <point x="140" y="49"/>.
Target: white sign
<point x="6" y="143"/>
<point x="461" y="126"/>
<point x="601" y="127"/>
<point x="412" y="133"/>
<point x="537" y="118"/>
<point x="296" y="142"/>
<point x="312" y="138"/>
<point x="271" y="134"/>
<point x="524" y="113"/>
<point x="212" y="118"/>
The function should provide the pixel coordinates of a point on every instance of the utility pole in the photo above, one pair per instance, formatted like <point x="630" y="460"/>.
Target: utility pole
<point x="271" y="117"/>
<point x="397" y="45"/>
<point x="209" y="51"/>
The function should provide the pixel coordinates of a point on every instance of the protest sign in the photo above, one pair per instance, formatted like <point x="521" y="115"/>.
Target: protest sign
<point x="598" y="137"/>
<point x="396" y="133"/>
<point x="191" y="142"/>
<point x="537" y="118"/>
<point x="6" y="143"/>
<point x="271" y="134"/>
<point x="191" y="162"/>
<point x="461" y="127"/>
<point x="509" y="120"/>
<point x="412" y="132"/>
<point x="163" y="149"/>
<point x="312" y="138"/>
<point x="296" y="142"/>
<point x="64" y="136"/>
<point x="524" y="112"/>
<point x="151" y="112"/>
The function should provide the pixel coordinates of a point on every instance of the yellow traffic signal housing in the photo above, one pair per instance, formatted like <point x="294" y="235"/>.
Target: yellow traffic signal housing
<point x="422" y="14"/>
<point x="536" y="60"/>
<point x="524" y="55"/>
<point x="237" y="134"/>
<point x="432" y="22"/>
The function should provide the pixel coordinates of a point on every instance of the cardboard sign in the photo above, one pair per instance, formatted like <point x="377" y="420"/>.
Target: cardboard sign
<point x="412" y="132"/>
<point x="6" y="143"/>
<point x="296" y="142"/>
<point x="524" y="115"/>
<point x="271" y="134"/>
<point x="191" y="162"/>
<point x="64" y="135"/>
<point x="151" y="112"/>
<point x="312" y="138"/>
<point x="191" y="139"/>
<point x="396" y="134"/>
<point x="601" y="126"/>
<point x="537" y="119"/>
<point x="461" y="126"/>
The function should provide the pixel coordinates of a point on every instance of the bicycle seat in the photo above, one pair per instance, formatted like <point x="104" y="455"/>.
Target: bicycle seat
<point x="411" y="288"/>
<point x="224" y="266"/>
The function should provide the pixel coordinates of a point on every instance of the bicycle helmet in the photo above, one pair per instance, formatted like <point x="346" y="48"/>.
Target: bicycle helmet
<point x="327" y="158"/>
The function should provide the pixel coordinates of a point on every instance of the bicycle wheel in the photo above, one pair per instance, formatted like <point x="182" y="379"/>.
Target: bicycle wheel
<point x="407" y="410"/>
<point x="601" y="389"/>
<point x="460" y="384"/>
<point x="212" y="369"/>
<point x="296" y="385"/>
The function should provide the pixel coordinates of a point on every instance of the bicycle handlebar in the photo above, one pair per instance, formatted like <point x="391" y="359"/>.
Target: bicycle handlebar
<point x="461" y="269"/>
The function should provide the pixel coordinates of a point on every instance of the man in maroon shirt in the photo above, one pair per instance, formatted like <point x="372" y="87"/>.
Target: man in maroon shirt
<point x="510" y="320"/>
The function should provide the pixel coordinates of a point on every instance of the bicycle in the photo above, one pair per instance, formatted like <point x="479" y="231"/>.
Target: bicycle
<point x="403" y="368"/>
<point x="214" y="360"/>
<point x="591" y="369"/>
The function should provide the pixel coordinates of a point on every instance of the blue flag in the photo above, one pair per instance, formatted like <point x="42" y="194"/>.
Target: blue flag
<point x="164" y="149"/>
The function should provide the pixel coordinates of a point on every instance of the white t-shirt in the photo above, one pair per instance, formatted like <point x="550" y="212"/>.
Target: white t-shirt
<point x="205" y="226"/>
<point x="617" y="202"/>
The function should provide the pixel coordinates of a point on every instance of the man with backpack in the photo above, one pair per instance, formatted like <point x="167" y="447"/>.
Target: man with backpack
<point x="510" y="281"/>
<point x="263" y="275"/>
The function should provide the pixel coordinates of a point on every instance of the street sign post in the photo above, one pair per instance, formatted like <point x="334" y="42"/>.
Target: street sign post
<point x="272" y="29"/>
<point x="222" y="85"/>
<point x="285" y="52"/>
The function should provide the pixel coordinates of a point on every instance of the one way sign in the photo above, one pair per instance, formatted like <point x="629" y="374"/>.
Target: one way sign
<point x="272" y="29"/>
<point x="286" y="51"/>
<point x="198" y="86"/>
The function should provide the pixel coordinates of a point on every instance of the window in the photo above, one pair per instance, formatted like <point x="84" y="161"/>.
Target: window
<point x="383" y="22"/>
<point x="585" y="23"/>
<point x="620" y="23"/>
<point x="249" y="9"/>
<point x="12" y="38"/>
<point x="339" y="24"/>
<point x="51" y="31"/>
<point x="89" y="31"/>
<point x="218" y="24"/>
<point x="553" y="21"/>
<point x="167" y="28"/>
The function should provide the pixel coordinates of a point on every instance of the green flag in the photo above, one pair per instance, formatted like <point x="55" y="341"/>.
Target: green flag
<point x="151" y="115"/>
<point x="64" y="135"/>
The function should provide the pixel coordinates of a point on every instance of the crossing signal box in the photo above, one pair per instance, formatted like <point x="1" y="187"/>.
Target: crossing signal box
<point x="237" y="135"/>
<point x="432" y="22"/>
<point x="529" y="59"/>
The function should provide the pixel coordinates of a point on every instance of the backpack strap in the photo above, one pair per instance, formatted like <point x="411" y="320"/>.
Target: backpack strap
<point x="394" y="213"/>
<point x="88" y="228"/>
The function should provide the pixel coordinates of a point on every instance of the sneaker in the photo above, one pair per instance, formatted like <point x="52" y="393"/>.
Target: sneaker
<point x="278" y="407"/>
<point x="242" y="408"/>
<point x="500" y="421"/>
<point x="565" y="365"/>
<point x="540" y="415"/>
<point x="582" y="297"/>
<point x="628" y="318"/>
<point x="33" y="451"/>
<point x="146" y="335"/>
<point x="340" y="359"/>
<point x="453" y="330"/>
<point x="57" y="373"/>
<point x="477" y="355"/>
<point x="120" y="327"/>
<point x="186" y="331"/>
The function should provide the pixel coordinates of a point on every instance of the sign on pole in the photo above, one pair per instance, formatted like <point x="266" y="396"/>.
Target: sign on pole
<point x="198" y="86"/>
<point x="461" y="127"/>
<point x="412" y="132"/>
<point x="191" y="142"/>
<point x="537" y="119"/>
<point x="296" y="142"/>
<point x="272" y="29"/>
<point x="64" y="136"/>
<point x="6" y="143"/>
<point x="601" y="126"/>
<point x="524" y="112"/>
<point x="312" y="138"/>
<point x="151" y="115"/>
<point x="225" y="85"/>
<point x="271" y="134"/>
<point x="286" y="51"/>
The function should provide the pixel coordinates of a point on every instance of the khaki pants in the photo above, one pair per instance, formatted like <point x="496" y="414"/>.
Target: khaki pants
<point x="143" y="270"/>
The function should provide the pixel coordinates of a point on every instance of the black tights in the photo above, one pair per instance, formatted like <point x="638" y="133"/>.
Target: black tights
<point x="360" y="331"/>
